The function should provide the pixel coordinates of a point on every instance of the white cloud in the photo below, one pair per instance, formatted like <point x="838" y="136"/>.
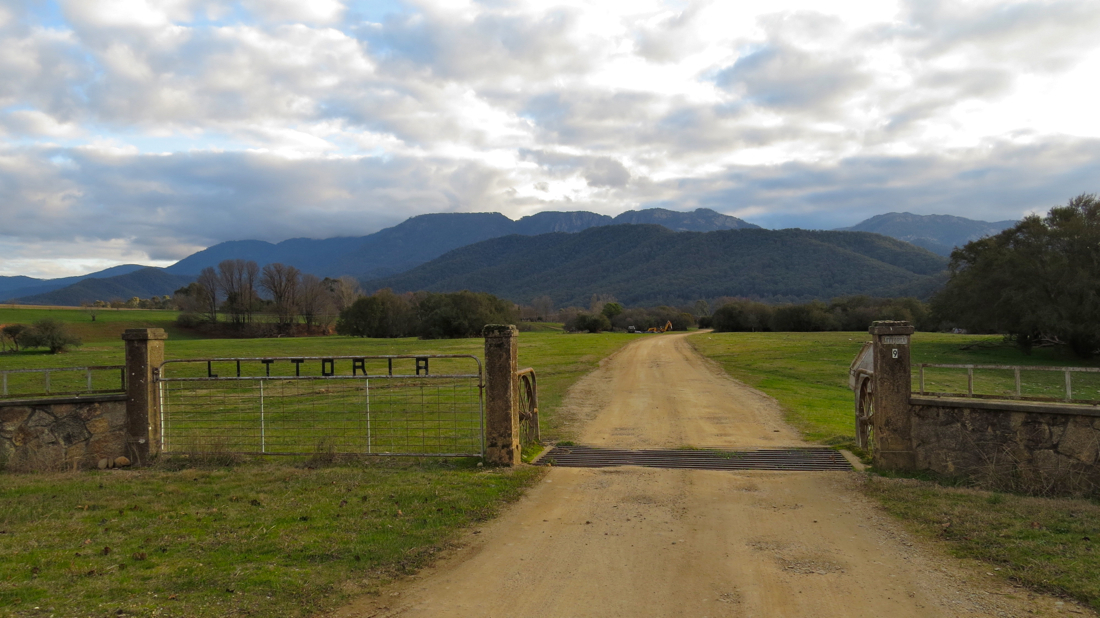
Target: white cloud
<point x="156" y="127"/>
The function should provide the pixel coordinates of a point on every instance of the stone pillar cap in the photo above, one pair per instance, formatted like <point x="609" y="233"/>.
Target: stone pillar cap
<point x="499" y="330"/>
<point x="144" y="334"/>
<point x="887" y="327"/>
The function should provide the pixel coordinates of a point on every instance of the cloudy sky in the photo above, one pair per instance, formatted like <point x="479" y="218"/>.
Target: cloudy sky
<point x="144" y="130"/>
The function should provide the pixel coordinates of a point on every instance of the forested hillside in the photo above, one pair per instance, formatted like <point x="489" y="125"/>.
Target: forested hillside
<point x="425" y="237"/>
<point x="649" y="265"/>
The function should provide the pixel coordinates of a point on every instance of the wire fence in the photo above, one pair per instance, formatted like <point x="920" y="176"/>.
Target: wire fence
<point x="62" y="381"/>
<point x="1029" y="383"/>
<point x="375" y="405"/>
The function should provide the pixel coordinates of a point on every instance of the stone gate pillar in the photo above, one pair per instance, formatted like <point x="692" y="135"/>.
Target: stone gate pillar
<point x="893" y="448"/>
<point x="144" y="352"/>
<point x="501" y="395"/>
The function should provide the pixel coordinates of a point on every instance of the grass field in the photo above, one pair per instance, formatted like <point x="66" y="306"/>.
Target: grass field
<point x="276" y="537"/>
<point x="1044" y="543"/>
<point x="108" y="325"/>
<point x="271" y="539"/>
<point x="808" y="372"/>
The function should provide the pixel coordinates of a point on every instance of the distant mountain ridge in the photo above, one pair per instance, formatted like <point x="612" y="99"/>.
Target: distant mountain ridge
<point x="145" y="282"/>
<point x="648" y="265"/>
<point x="393" y="256"/>
<point x="424" y="237"/>
<point x="937" y="233"/>
<point x="18" y="286"/>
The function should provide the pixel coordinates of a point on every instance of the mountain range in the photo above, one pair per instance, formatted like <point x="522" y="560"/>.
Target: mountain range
<point x="382" y="257"/>
<point x="425" y="237"/>
<point x="937" y="233"/>
<point x="650" y="265"/>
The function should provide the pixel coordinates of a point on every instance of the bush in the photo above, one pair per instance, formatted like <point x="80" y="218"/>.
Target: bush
<point x="189" y="320"/>
<point x="427" y="315"/>
<point x="591" y="323"/>
<point x="742" y="316"/>
<point x="810" y="317"/>
<point x="51" y="334"/>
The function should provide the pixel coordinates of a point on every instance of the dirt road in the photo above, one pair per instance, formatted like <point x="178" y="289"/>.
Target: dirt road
<point x="644" y="542"/>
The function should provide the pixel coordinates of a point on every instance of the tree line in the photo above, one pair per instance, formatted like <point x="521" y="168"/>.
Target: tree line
<point x="850" y="313"/>
<point x="239" y="290"/>
<point x="424" y="314"/>
<point x="1037" y="282"/>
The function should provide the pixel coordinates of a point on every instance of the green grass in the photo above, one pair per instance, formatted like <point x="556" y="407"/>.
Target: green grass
<point x="1047" y="544"/>
<point x="1044" y="543"/>
<point x="256" y="539"/>
<point x="808" y="372"/>
<point x="197" y="544"/>
<point x="108" y="325"/>
<point x="559" y="359"/>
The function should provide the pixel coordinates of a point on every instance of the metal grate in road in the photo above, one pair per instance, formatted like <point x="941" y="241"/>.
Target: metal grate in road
<point x="789" y="459"/>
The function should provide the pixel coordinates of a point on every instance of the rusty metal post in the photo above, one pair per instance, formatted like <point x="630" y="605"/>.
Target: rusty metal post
<point x="144" y="352"/>
<point x="501" y="395"/>
<point x="893" y="449"/>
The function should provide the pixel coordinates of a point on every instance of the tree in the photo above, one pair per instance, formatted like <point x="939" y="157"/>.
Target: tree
<point x="382" y="314"/>
<point x="281" y="281"/>
<point x="49" y="333"/>
<point x="208" y="288"/>
<point x="92" y="309"/>
<point x="543" y="307"/>
<point x="344" y="291"/>
<point x="610" y="310"/>
<point x="312" y="295"/>
<point x="588" y="322"/>
<point x="1036" y="281"/>
<point x="237" y="279"/>
<point x="13" y="334"/>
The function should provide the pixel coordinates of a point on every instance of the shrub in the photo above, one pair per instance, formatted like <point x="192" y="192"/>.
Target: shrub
<point x="51" y="334"/>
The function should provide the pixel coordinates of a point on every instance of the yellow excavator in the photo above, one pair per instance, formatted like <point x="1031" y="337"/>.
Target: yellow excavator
<point x="663" y="329"/>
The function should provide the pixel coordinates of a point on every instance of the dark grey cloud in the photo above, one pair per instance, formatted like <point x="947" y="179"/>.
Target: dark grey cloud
<point x="162" y="127"/>
<point x="168" y="205"/>
<point x="786" y="78"/>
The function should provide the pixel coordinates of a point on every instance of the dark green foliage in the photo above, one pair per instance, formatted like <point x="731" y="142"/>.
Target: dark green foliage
<point x="426" y="315"/>
<point x="1037" y="281"/>
<point x="48" y="333"/>
<point x="592" y="323"/>
<point x="11" y="335"/>
<point x="383" y="314"/>
<point x="809" y="317"/>
<point x="852" y="313"/>
<point x="646" y="265"/>
<point x="461" y="314"/>
<point x="742" y="316"/>
<point x="610" y="310"/>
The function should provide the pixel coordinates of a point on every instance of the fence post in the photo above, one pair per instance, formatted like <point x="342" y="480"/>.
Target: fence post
<point x="893" y="449"/>
<point x="144" y="352"/>
<point x="501" y="395"/>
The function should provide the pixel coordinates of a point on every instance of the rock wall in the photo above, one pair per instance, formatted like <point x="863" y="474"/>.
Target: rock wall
<point x="62" y="434"/>
<point x="1033" y="447"/>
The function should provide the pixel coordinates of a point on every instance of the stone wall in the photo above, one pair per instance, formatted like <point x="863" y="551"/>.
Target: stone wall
<point x="62" y="433"/>
<point x="1012" y="445"/>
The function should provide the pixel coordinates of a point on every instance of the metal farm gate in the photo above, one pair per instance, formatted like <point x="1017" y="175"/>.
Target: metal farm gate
<point x="425" y="405"/>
